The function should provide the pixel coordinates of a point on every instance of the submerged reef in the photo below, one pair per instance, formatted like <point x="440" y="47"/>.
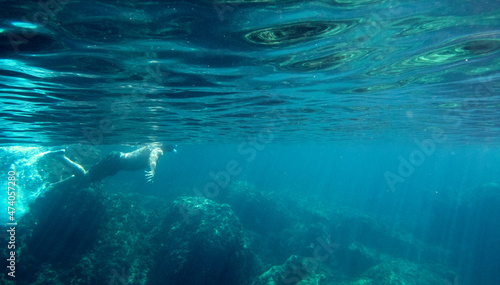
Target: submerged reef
<point x="202" y="242"/>
<point x="242" y="236"/>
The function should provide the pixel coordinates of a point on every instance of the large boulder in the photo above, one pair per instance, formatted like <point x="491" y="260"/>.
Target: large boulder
<point x="259" y="211"/>
<point x="202" y="242"/>
<point x="59" y="230"/>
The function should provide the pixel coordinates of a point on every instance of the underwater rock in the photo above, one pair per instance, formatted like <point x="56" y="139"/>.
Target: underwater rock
<point x="257" y="210"/>
<point x="124" y="249"/>
<point x="397" y="272"/>
<point x="285" y="225"/>
<point x="295" y="271"/>
<point x="372" y="233"/>
<point x="354" y="259"/>
<point x="202" y="242"/>
<point x="60" y="228"/>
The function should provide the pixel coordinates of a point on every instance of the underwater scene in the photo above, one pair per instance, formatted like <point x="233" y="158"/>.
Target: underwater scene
<point x="258" y="142"/>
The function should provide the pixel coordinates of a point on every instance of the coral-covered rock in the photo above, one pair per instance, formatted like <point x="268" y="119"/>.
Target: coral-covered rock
<point x="202" y="243"/>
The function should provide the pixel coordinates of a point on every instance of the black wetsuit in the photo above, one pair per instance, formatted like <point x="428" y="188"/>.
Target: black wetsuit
<point x="112" y="164"/>
<point x="116" y="161"/>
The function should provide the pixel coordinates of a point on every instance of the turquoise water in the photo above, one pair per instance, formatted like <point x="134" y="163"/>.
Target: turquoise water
<point x="319" y="142"/>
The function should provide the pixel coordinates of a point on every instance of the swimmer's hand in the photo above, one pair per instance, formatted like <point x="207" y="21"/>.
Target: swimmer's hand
<point x="150" y="175"/>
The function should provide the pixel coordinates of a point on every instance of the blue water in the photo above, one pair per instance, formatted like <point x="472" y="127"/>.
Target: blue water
<point x="370" y="126"/>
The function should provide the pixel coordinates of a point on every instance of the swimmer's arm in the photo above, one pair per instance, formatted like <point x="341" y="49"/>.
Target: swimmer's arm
<point x="153" y="160"/>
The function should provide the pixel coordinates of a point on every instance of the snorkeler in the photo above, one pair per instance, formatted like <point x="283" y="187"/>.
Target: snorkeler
<point x="144" y="157"/>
